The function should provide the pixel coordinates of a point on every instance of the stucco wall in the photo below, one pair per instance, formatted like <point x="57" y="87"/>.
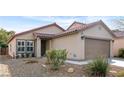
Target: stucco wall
<point x="75" y="45"/>
<point x="98" y="31"/>
<point x="12" y="51"/>
<point x="49" y="30"/>
<point x="29" y="36"/>
<point x="71" y="43"/>
<point x="118" y="43"/>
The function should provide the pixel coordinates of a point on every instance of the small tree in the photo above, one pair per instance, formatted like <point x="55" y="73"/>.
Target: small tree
<point x="56" y="58"/>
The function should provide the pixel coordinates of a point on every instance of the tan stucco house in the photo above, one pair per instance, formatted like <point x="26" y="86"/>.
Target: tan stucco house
<point x="82" y="41"/>
<point x="118" y="41"/>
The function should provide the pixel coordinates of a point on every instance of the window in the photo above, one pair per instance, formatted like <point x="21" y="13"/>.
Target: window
<point x="20" y="45"/>
<point x="30" y="46"/>
<point x="25" y="47"/>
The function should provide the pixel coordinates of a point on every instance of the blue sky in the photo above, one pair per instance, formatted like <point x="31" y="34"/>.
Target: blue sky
<point x="22" y="23"/>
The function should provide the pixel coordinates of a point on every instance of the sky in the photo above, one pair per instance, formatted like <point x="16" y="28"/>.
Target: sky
<point x="23" y="23"/>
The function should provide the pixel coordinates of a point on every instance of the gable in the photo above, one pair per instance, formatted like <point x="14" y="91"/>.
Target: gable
<point x="53" y="30"/>
<point x="48" y="30"/>
<point x="98" y="31"/>
<point x="75" y="25"/>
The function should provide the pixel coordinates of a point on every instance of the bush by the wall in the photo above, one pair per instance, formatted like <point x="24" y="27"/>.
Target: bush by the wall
<point x="121" y="52"/>
<point x="56" y="58"/>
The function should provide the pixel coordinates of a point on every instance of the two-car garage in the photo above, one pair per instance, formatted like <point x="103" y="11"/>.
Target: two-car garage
<point x="96" y="48"/>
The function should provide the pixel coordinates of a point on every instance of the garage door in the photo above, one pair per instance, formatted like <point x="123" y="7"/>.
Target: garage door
<point x="95" y="48"/>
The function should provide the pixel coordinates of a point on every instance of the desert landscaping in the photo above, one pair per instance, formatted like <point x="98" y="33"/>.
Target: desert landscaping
<point x="34" y="67"/>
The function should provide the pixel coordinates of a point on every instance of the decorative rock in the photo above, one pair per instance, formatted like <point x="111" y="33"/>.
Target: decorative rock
<point x="44" y="65"/>
<point x="113" y="71"/>
<point x="70" y="70"/>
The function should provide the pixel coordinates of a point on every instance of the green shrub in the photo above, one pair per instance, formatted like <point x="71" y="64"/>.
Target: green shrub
<point x="97" y="68"/>
<point x="120" y="74"/>
<point x="56" y="58"/>
<point x="121" y="52"/>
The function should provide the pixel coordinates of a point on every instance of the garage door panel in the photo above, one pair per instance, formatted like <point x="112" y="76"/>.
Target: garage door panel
<point x="95" y="48"/>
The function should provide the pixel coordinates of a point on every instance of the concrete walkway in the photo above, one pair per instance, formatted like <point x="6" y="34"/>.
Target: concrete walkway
<point x="117" y="62"/>
<point x="78" y="62"/>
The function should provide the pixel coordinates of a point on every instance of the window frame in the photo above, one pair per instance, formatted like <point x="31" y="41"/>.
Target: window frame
<point x="24" y="46"/>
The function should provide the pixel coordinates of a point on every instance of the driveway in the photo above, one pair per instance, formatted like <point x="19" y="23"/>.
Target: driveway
<point x="118" y="62"/>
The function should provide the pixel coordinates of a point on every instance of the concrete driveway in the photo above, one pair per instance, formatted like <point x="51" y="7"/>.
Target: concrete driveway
<point x="118" y="62"/>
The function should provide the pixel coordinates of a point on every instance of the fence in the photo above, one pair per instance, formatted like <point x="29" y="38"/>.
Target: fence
<point x="3" y="51"/>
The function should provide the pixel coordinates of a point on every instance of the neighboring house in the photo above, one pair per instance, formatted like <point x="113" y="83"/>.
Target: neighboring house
<point x="82" y="41"/>
<point x="118" y="41"/>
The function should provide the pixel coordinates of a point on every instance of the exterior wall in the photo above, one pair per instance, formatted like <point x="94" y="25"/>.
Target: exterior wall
<point x="75" y="45"/>
<point x="29" y="36"/>
<point x="118" y="43"/>
<point x="49" y="30"/>
<point x="71" y="43"/>
<point x="12" y="51"/>
<point x="98" y="31"/>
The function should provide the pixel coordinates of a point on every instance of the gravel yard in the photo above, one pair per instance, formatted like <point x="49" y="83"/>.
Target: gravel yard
<point x="21" y="68"/>
<point x="37" y="68"/>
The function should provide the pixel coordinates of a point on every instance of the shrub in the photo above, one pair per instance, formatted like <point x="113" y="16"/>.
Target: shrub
<point x="121" y="52"/>
<point x="98" y="68"/>
<point x="56" y="58"/>
<point x="120" y="74"/>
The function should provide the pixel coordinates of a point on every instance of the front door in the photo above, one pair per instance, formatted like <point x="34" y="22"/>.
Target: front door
<point x="43" y="47"/>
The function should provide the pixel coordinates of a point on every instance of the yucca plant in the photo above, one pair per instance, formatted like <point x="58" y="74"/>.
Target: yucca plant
<point x="98" y="68"/>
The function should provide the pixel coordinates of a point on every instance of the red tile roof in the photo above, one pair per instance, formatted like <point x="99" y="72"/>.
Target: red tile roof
<point x="83" y="28"/>
<point x="43" y="35"/>
<point x="75" y="25"/>
<point x="69" y="31"/>
<point x="33" y="30"/>
<point x="118" y="33"/>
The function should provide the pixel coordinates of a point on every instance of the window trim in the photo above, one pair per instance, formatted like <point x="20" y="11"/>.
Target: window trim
<point x="25" y="46"/>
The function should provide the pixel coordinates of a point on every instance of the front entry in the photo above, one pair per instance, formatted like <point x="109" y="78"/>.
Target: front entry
<point x="43" y="47"/>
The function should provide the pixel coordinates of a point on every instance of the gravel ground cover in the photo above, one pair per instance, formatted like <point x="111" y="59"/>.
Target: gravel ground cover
<point x="34" y="67"/>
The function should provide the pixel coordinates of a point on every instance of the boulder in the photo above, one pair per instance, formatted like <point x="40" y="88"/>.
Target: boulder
<point x="70" y="70"/>
<point x="43" y="65"/>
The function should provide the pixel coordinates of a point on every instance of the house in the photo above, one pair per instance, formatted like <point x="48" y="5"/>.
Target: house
<point x="82" y="41"/>
<point x="118" y="41"/>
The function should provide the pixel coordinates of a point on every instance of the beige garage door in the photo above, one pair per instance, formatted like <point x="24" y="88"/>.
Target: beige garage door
<point x="95" y="48"/>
